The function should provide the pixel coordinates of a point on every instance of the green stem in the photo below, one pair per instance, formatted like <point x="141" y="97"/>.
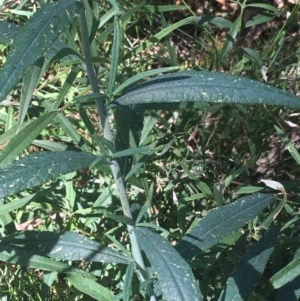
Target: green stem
<point x="115" y="168"/>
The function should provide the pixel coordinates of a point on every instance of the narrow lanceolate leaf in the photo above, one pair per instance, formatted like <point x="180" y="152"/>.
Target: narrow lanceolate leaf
<point x="241" y="284"/>
<point x="34" y="39"/>
<point x="29" y="260"/>
<point x="30" y="82"/>
<point x="65" y="246"/>
<point x="127" y="288"/>
<point x="220" y="223"/>
<point x="8" y="32"/>
<point x="15" y="204"/>
<point x="205" y="87"/>
<point x="284" y="276"/>
<point x="91" y="288"/>
<point x="39" y="168"/>
<point x="173" y="272"/>
<point x="24" y="138"/>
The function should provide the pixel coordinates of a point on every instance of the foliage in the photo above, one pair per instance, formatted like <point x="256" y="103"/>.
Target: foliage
<point x="131" y="206"/>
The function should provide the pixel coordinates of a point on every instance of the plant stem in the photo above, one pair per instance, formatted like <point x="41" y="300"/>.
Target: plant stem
<point x="115" y="168"/>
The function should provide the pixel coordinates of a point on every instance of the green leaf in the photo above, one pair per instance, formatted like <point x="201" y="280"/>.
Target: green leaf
<point x="174" y="274"/>
<point x="259" y="19"/>
<point x="8" y="32"/>
<point x="34" y="39"/>
<point x="291" y="290"/>
<point x="91" y="288"/>
<point x="231" y="37"/>
<point x="133" y="151"/>
<point x="289" y="145"/>
<point x="253" y="55"/>
<point x="15" y="204"/>
<point x="265" y="6"/>
<point x="39" y="168"/>
<point x="24" y="138"/>
<point x="234" y="175"/>
<point x="127" y="287"/>
<point x="69" y="128"/>
<point x="17" y="256"/>
<point x="206" y="87"/>
<point x="115" y="53"/>
<point x="163" y="8"/>
<point x="132" y="80"/>
<point x="149" y="123"/>
<point x="164" y="32"/>
<point x="218" y="224"/>
<point x="241" y="284"/>
<point x="284" y="276"/>
<point x="30" y="82"/>
<point x="64" y="246"/>
<point x="51" y="145"/>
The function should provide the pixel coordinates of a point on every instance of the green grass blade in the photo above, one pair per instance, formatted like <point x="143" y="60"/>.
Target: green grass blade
<point x="115" y="53"/>
<point x="132" y="80"/>
<point x="163" y="8"/>
<point x="127" y="286"/>
<point x="241" y="284"/>
<point x="192" y="87"/>
<point x="30" y="82"/>
<point x="148" y="126"/>
<point x="91" y="287"/>
<point x="15" y="204"/>
<point x="265" y="6"/>
<point x="64" y="246"/>
<point x="284" y="276"/>
<point x="174" y="274"/>
<point x="164" y="32"/>
<point x="218" y="224"/>
<point x="39" y="168"/>
<point x="66" y="86"/>
<point x="133" y="151"/>
<point x="231" y="37"/>
<point x="228" y="180"/>
<point x="289" y="145"/>
<point x="124" y="17"/>
<point x="69" y="128"/>
<point x="24" y="138"/>
<point x="291" y="290"/>
<point x="34" y="39"/>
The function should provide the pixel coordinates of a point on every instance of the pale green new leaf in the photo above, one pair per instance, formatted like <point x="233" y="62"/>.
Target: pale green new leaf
<point x="15" y="204"/>
<point x="24" y="138"/>
<point x="173" y="272"/>
<point x="33" y="40"/>
<point x="91" y="288"/>
<point x="218" y="224"/>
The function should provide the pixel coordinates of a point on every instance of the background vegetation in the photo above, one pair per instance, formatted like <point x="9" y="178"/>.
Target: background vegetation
<point x="188" y="169"/>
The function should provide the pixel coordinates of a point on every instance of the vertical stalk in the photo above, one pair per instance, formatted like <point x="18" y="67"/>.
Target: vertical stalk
<point x="115" y="168"/>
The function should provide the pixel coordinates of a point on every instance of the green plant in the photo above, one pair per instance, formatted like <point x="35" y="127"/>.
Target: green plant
<point x="45" y="180"/>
